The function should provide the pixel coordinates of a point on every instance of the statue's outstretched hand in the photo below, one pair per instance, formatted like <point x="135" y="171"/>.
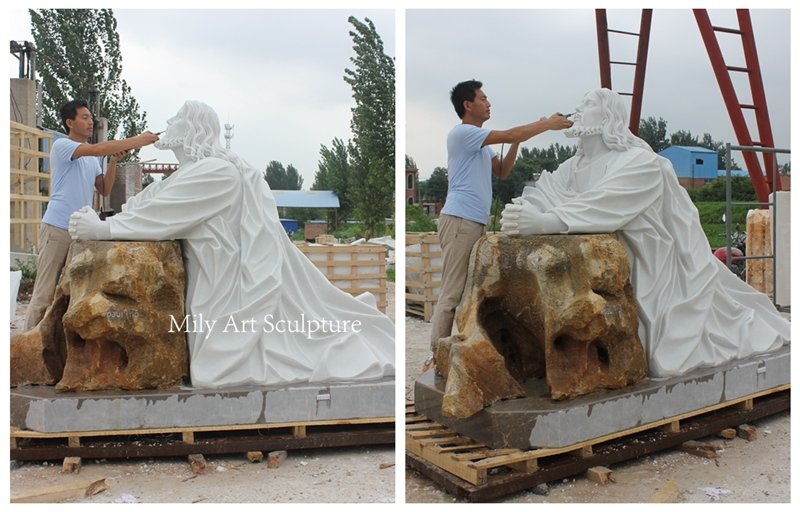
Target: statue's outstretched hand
<point x="509" y="219"/>
<point x="86" y="225"/>
<point x="525" y="219"/>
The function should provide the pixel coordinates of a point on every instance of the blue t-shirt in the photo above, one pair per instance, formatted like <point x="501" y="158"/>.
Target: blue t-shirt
<point x="71" y="182"/>
<point x="469" y="173"/>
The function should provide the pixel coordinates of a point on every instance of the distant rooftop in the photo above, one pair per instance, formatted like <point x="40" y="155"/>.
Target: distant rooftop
<point x="694" y="149"/>
<point x="306" y="199"/>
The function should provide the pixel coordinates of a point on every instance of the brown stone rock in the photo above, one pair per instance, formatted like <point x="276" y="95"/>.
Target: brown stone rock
<point x="114" y="319"/>
<point x="558" y="307"/>
<point x="38" y="356"/>
<point x="759" y="243"/>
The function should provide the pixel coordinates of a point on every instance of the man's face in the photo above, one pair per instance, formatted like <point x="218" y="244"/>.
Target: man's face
<point x="588" y="118"/>
<point x="175" y="133"/>
<point x="480" y="108"/>
<point x="83" y="124"/>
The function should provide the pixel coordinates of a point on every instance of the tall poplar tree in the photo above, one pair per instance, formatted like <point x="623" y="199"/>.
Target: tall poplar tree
<point x="77" y="51"/>
<point x="372" y="148"/>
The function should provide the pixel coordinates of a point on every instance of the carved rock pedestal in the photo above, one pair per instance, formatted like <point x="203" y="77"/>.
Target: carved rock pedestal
<point x="110" y="321"/>
<point x="553" y="307"/>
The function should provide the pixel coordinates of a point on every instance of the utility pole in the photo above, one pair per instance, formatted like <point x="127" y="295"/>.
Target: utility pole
<point x="228" y="135"/>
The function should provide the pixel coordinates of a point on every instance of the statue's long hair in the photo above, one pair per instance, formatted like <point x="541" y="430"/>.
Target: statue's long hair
<point x="202" y="135"/>
<point x="616" y="134"/>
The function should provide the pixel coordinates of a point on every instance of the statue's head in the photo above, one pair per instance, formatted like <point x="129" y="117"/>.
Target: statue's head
<point x="602" y="112"/>
<point x="195" y="129"/>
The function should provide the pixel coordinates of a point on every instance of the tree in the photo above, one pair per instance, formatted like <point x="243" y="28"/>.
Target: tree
<point x="334" y="174"/>
<point x="372" y="148"/>
<point x="147" y="179"/>
<point x="654" y="132"/>
<point x="435" y="188"/>
<point x="683" y="138"/>
<point x="78" y="50"/>
<point x="529" y="164"/>
<point x="279" y="178"/>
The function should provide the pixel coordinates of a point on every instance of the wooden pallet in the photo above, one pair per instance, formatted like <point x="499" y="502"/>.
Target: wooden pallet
<point x="423" y="279"/>
<point x="466" y="468"/>
<point x="156" y="442"/>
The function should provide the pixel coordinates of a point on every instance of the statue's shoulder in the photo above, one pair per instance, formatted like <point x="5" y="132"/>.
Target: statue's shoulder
<point x="212" y="164"/>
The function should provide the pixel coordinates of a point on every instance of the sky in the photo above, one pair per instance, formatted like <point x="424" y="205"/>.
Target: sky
<point x="275" y="75"/>
<point x="536" y="62"/>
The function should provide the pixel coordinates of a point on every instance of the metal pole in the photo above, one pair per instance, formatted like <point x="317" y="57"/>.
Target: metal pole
<point x="728" y="208"/>
<point x="774" y="220"/>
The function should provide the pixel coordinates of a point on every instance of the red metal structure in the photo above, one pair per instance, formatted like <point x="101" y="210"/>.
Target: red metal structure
<point x="639" y="66"/>
<point x="762" y="181"/>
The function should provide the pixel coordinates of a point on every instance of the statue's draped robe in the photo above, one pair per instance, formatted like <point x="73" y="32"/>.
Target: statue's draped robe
<point x="241" y="266"/>
<point x="693" y="312"/>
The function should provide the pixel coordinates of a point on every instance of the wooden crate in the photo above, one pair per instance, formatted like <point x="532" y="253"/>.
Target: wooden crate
<point x="30" y="184"/>
<point x="423" y="273"/>
<point x="354" y="269"/>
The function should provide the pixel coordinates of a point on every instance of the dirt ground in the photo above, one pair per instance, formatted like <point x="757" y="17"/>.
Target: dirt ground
<point x="333" y="475"/>
<point x="743" y="472"/>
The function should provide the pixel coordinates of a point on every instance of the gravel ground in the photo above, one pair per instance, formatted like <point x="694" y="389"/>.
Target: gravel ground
<point x="743" y="472"/>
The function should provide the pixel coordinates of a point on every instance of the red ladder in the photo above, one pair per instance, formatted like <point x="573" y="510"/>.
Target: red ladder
<point x="762" y="184"/>
<point x="639" y="65"/>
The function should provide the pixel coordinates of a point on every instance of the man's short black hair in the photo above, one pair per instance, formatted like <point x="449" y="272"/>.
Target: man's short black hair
<point x="464" y="91"/>
<point x="69" y="110"/>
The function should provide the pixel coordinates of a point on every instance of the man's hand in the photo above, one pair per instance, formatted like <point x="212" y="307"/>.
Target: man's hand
<point x="524" y="219"/>
<point x="558" y="122"/>
<point x="147" y="137"/>
<point x="118" y="156"/>
<point x="86" y="225"/>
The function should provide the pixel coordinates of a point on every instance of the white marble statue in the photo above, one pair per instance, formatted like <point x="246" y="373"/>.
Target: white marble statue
<point x="693" y="312"/>
<point x="258" y="311"/>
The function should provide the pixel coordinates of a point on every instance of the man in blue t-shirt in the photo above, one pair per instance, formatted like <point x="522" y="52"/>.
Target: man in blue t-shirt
<point x="75" y="171"/>
<point x="470" y="165"/>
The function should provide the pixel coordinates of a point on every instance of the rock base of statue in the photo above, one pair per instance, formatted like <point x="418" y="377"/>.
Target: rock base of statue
<point x="110" y="323"/>
<point x="42" y="409"/>
<point x="537" y="421"/>
<point x="553" y="307"/>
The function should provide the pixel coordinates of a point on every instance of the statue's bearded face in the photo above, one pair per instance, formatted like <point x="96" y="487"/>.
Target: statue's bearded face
<point x="175" y="134"/>
<point x="588" y="118"/>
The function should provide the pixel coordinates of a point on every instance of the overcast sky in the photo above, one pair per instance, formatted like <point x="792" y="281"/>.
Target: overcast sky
<point x="536" y="62"/>
<point x="276" y="75"/>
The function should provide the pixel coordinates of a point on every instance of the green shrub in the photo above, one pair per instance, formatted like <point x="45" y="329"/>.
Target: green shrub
<point x="28" y="268"/>
<point x="347" y="230"/>
<point x="417" y="221"/>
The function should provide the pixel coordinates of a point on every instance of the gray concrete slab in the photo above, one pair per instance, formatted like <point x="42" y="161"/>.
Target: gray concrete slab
<point x="42" y="409"/>
<point x="538" y="421"/>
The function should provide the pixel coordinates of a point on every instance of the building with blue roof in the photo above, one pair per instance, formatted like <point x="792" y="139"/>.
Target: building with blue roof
<point x="693" y="165"/>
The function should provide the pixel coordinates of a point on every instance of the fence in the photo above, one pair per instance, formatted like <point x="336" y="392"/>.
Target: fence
<point x="30" y="184"/>
<point x="773" y="205"/>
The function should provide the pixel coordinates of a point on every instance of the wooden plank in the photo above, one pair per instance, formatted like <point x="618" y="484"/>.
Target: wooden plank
<point x="29" y="434"/>
<point x="211" y="444"/>
<point x="599" y="474"/>
<point x="484" y="454"/>
<point x="705" y="450"/>
<point x="460" y="447"/>
<point x="52" y="494"/>
<point x="464" y="471"/>
<point x="427" y="434"/>
<point x="421" y="425"/>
